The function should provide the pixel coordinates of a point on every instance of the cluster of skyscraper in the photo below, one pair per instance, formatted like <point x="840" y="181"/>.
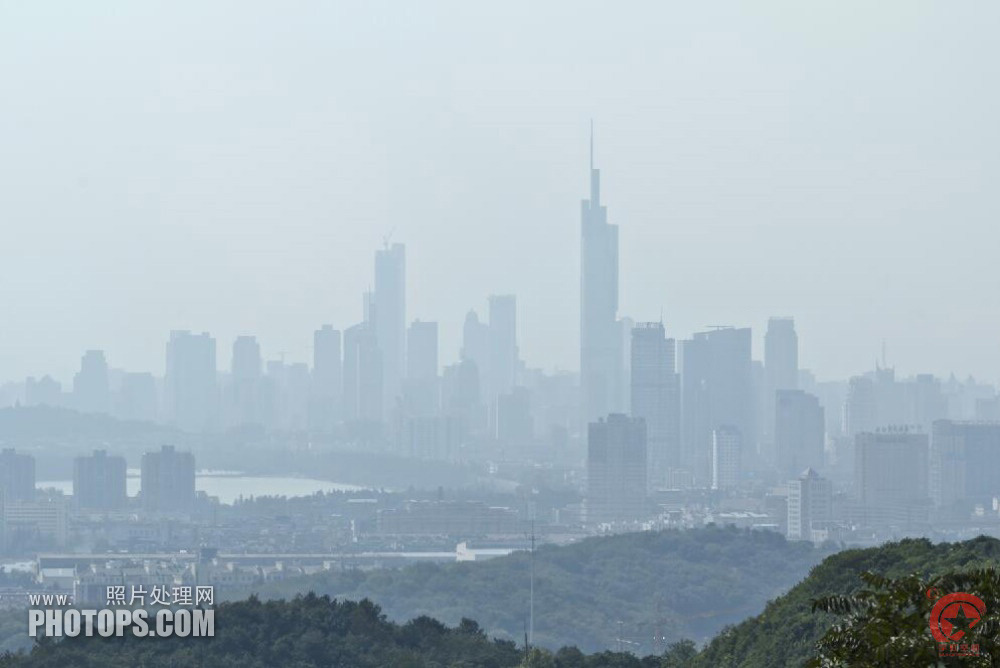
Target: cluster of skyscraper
<point x="377" y="379"/>
<point x="700" y="413"/>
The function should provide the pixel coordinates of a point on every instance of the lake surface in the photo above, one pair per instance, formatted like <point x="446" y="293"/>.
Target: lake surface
<point x="229" y="486"/>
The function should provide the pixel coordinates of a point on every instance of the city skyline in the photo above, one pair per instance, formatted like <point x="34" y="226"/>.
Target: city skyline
<point x="237" y="194"/>
<point x="513" y="334"/>
<point x="390" y="271"/>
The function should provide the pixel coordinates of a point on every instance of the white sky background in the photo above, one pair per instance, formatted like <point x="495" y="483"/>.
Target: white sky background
<point x="232" y="166"/>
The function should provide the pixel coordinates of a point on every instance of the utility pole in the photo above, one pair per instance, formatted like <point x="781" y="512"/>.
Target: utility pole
<point x="531" y="590"/>
<point x="526" y="650"/>
<point x="659" y="641"/>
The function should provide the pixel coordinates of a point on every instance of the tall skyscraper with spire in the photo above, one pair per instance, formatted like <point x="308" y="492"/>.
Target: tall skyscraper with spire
<point x="600" y="338"/>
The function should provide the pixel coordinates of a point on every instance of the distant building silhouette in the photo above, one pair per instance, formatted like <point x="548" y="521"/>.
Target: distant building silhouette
<point x="327" y="382"/>
<point x="363" y="375"/>
<point x="422" y="387"/>
<point x="964" y="465"/>
<point x="45" y="391"/>
<point x="727" y="457"/>
<point x="286" y="395"/>
<point x="476" y="346"/>
<point x="17" y="475"/>
<point x="800" y="432"/>
<point x="389" y="319"/>
<point x="190" y="381"/>
<point x="138" y="398"/>
<point x="515" y="424"/>
<point x="461" y="397"/>
<point x="810" y="506"/>
<point x="168" y="479"/>
<point x="91" y="388"/>
<point x="781" y="372"/>
<point x="245" y="378"/>
<point x="422" y="350"/>
<point x="860" y="414"/>
<point x="99" y="482"/>
<point x="503" y="353"/>
<point x="655" y="397"/>
<point x="432" y="437"/>
<point x="29" y="521"/>
<point x="616" y="470"/>
<point x="891" y="477"/>
<point x="716" y="390"/>
<point x="926" y="400"/>
<point x="600" y="335"/>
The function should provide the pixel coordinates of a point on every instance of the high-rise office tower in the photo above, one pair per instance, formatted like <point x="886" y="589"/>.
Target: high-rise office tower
<point x="503" y="354"/>
<point x="964" y="461"/>
<point x="389" y="318"/>
<point x="327" y="382"/>
<point x="600" y="334"/>
<point x="860" y="413"/>
<point x="927" y="401"/>
<point x="17" y="476"/>
<point x="138" y="398"/>
<point x="363" y="375"/>
<point x="190" y="381"/>
<point x="781" y="354"/>
<point x="422" y="350"/>
<point x="891" y="477"/>
<point x="476" y="347"/>
<point x="655" y="396"/>
<point x="91" y="389"/>
<point x="515" y="424"/>
<point x="727" y="457"/>
<point x="422" y="387"/>
<point x="246" y="363"/>
<point x="99" y="482"/>
<point x="799" y="432"/>
<point x="622" y="387"/>
<point x="167" y="481"/>
<point x="461" y="397"/>
<point x="716" y="390"/>
<point x="781" y="372"/>
<point x="616" y="470"/>
<point x="288" y="390"/>
<point x="810" y="505"/>
<point x="245" y="377"/>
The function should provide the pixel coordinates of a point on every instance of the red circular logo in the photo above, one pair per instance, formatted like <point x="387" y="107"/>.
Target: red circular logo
<point x="954" y="615"/>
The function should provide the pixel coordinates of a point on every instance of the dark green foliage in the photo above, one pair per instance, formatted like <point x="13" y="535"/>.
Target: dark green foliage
<point x="312" y="631"/>
<point x="858" y="608"/>
<point x="686" y="584"/>
<point x="308" y="631"/>
<point x="886" y="623"/>
<point x="787" y="632"/>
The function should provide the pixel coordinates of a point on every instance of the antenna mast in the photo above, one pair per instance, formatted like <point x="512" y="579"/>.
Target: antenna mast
<point x="531" y="590"/>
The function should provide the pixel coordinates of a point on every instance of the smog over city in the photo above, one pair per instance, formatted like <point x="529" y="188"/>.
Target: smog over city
<point x="563" y="334"/>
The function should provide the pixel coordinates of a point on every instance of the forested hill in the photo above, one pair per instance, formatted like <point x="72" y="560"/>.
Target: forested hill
<point x="785" y="634"/>
<point x="309" y="631"/>
<point x="316" y="632"/>
<point x="687" y="584"/>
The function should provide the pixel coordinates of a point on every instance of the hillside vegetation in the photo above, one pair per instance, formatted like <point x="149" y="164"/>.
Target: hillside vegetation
<point x="787" y="631"/>
<point x="684" y="584"/>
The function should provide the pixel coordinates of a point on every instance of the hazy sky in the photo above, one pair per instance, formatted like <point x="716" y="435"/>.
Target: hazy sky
<point x="232" y="166"/>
